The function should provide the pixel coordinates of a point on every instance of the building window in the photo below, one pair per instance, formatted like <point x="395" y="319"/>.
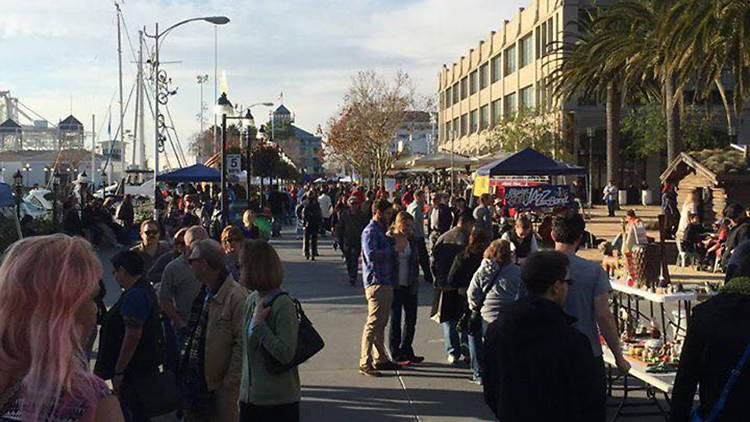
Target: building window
<point x="550" y="33"/>
<point x="526" y="53"/>
<point x="448" y="131"/>
<point x="464" y="87"/>
<point x="496" y="64"/>
<point x="542" y="94"/>
<point x="510" y="103"/>
<point x="473" y="123"/>
<point x="496" y="112"/>
<point x="510" y="60"/>
<point x="448" y="97"/>
<point x="464" y="125"/>
<point x="473" y="82"/>
<point x="484" y="117"/>
<point x="527" y="97"/>
<point x="455" y="93"/>
<point x="484" y="76"/>
<point x="455" y="128"/>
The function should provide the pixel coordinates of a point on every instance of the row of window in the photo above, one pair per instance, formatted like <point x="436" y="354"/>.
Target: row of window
<point x="504" y="63"/>
<point x="491" y="114"/>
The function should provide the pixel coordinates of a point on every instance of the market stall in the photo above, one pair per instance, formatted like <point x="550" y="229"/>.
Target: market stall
<point x="194" y="173"/>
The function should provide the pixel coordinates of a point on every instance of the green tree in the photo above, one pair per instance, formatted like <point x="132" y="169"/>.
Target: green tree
<point x="534" y="128"/>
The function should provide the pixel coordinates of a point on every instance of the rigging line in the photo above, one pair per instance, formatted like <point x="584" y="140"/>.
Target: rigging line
<point x="112" y="144"/>
<point x="107" y="114"/>
<point x="177" y="137"/>
<point x="127" y="35"/>
<point x="33" y="112"/>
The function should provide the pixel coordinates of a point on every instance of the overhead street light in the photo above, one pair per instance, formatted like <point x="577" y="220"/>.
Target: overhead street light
<point x="161" y="98"/>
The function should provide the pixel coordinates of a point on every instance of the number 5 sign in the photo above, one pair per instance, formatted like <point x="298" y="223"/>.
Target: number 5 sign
<point x="234" y="163"/>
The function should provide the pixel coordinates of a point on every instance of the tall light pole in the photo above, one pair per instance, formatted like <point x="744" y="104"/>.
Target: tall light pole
<point x="248" y="151"/>
<point x="591" y="132"/>
<point x="161" y="97"/>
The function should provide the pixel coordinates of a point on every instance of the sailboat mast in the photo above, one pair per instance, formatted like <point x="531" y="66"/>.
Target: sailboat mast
<point x="137" y="102"/>
<point x="122" y="108"/>
<point x="142" y="135"/>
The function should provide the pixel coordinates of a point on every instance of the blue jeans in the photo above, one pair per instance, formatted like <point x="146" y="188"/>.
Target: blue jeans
<point x="476" y="351"/>
<point x="611" y="207"/>
<point x="453" y="339"/>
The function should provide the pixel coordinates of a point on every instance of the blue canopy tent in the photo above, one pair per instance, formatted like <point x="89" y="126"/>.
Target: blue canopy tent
<point x="194" y="173"/>
<point x="528" y="162"/>
<point x="6" y="196"/>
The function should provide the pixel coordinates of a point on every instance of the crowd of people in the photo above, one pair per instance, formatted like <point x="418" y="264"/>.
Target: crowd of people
<point x="203" y="313"/>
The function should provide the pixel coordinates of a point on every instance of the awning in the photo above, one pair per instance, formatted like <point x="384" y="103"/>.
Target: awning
<point x="528" y="162"/>
<point x="194" y="173"/>
<point x="442" y="160"/>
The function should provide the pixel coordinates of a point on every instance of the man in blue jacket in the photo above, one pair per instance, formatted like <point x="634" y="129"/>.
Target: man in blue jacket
<point x="378" y="261"/>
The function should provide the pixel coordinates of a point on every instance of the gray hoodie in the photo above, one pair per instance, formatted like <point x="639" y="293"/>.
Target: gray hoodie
<point x="507" y="287"/>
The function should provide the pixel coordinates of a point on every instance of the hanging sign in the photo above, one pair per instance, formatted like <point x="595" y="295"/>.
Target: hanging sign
<point x="534" y="197"/>
<point x="234" y="164"/>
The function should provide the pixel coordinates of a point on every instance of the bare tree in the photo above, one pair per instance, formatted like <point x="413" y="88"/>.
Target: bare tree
<point x="362" y="131"/>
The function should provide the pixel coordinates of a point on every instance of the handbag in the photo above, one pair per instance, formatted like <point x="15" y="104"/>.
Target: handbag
<point x="309" y="342"/>
<point x="158" y="394"/>
<point x="696" y="416"/>
<point x="470" y="321"/>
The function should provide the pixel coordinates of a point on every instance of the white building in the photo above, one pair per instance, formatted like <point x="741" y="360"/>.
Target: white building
<point x="418" y="134"/>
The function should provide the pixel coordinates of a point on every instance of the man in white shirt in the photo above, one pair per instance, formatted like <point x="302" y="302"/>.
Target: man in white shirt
<point x="325" y="211"/>
<point x="610" y="196"/>
<point x="416" y="209"/>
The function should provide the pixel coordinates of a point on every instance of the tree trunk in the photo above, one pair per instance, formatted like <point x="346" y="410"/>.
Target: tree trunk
<point x="672" y="119"/>
<point x="725" y="103"/>
<point x="613" y="133"/>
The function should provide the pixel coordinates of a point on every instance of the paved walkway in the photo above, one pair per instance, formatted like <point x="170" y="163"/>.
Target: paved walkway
<point x="334" y="391"/>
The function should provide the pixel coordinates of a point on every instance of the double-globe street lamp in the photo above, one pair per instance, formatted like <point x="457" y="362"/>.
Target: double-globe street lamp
<point x="224" y="108"/>
<point x="161" y="98"/>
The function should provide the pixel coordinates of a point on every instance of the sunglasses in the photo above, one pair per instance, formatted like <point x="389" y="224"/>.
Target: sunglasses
<point x="151" y="232"/>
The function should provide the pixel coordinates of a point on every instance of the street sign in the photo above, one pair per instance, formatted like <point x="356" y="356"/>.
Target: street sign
<point x="234" y="164"/>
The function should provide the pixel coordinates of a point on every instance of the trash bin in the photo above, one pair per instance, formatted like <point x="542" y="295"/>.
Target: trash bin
<point x="622" y="197"/>
<point x="647" y="197"/>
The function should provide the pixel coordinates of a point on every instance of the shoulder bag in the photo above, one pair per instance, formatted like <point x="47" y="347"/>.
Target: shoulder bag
<point x="309" y="342"/>
<point x="470" y="321"/>
<point x="719" y="406"/>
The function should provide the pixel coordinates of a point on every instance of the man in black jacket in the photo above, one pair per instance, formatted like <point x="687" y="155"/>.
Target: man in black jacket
<point x="538" y="367"/>
<point x="718" y="333"/>
<point x="738" y="233"/>
<point x="352" y="222"/>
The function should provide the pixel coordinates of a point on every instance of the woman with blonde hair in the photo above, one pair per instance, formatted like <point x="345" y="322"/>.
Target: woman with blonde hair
<point x="401" y="234"/>
<point x="495" y="285"/>
<point x="231" y="243"/>
<point x="690" y="206"/>
<point x="269" y="334"/>
<point x="46" y="315"/>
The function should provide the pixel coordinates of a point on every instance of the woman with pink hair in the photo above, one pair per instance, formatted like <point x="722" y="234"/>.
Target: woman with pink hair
<point x="47" y="311"/>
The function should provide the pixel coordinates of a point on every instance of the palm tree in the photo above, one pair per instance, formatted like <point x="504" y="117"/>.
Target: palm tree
<point x="582" y="70"/>
<point x="635" y="32"/>
<point x="713" y="37"/>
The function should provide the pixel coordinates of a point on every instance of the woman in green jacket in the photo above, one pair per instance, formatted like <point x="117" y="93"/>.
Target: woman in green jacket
<point x="270" y="339"/>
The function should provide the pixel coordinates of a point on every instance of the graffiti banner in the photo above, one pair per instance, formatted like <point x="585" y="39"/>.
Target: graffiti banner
<point x="534" y="197"/>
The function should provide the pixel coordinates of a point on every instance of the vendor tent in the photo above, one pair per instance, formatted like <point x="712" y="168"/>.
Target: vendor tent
<point x="6" y="195"/>
<point x="441" y="160"/>
<point x="528" y="162"/>
<point x="194" y="173"/>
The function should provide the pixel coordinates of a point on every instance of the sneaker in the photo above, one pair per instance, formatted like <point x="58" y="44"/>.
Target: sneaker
<point x="387" y="366"/>
<point x="475" y="380"/>
<point x="452" y="359"/>
<point x="370" y="372"/>
<point x="415" y="359"/>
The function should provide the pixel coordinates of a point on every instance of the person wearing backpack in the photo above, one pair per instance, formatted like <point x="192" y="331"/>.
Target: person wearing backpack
<point x="269" y="339"/>
<point x="717" y="341"/>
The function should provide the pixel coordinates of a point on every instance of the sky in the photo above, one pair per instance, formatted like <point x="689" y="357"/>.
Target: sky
<point x="59" y="56"/>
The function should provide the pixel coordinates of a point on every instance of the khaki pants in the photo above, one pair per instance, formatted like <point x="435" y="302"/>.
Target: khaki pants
<point x="379" y="300"/>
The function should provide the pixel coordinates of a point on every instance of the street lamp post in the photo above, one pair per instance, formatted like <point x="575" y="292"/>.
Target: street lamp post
<point x="590" y="132"/>
<point x="224" y="108"/>
<point x="55" y="188"/>
<point x="83" y="182"/>
<point x="161" y="97"/>
<point x="18" y="184"/>
<point x="27" y="169"/>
